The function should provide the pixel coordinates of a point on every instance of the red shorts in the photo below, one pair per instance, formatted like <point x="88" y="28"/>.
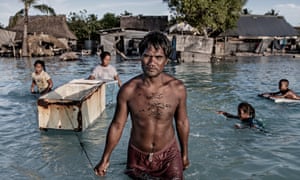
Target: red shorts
<point x="164" y="164"/>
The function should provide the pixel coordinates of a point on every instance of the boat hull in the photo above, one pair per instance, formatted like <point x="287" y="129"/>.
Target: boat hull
<point x="72" y="106"/>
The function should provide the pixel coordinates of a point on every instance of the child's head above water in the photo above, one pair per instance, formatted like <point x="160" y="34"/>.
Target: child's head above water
<point x="246" y="111"/>
<point x="39" y="66"/>
<point x="283" y="84"/>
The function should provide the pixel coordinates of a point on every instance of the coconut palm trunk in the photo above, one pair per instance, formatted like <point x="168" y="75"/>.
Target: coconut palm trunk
<point x="25" y="37"/>
<point x="24" y="14"/>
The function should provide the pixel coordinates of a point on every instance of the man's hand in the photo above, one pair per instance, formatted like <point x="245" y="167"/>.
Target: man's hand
<point x="101" y="168"/>
<point x="186" y="163"/>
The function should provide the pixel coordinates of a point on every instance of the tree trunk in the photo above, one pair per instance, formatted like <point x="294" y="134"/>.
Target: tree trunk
<point x="25" y="42"/>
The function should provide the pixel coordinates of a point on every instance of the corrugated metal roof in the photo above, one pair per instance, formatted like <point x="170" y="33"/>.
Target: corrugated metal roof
<point x="261" y="25"/>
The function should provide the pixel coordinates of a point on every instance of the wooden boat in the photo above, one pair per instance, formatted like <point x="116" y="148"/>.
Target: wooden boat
<point x="72" y="106"/>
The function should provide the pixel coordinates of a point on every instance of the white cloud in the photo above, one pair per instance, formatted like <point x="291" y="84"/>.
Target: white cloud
<point x="287" y="6"/>
<point x="290" y="12"/>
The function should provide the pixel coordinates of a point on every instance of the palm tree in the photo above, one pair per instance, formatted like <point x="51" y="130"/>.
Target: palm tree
<point x="24" y="13"/>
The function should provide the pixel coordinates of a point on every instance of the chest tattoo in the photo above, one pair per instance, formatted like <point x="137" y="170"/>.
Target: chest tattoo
<point x="155" y="105"/>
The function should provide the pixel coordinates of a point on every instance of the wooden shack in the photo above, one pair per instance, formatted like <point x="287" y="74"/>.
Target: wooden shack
<point x="7" y="42"/>
<point x="257" y="34"/>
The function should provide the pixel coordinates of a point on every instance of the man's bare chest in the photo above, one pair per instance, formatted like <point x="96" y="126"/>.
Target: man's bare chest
<point x="158" y="105"/>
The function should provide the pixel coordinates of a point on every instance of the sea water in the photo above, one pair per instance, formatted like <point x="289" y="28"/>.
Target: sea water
<point x="216" y="149"/>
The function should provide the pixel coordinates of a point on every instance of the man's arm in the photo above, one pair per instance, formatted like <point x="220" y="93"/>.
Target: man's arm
<point x="182" y="125"/>
<point x="114" y="132"/>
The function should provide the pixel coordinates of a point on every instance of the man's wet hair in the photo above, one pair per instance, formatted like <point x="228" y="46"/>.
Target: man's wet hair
<point x="42" y="63"/>
<point x="157" y="40"/>
<point x="104" y="54"/>
<point x="283" y="80"/>
<point x="246" y="108"/>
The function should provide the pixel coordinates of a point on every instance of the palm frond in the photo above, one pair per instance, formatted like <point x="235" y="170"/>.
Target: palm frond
<point x="15" y="18"/>
<point x="45" y="9"/>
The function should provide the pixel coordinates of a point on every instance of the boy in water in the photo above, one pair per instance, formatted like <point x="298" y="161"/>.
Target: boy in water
<point x="105" y="71"/>
<point x="41" y="78"/>
<point x="246" y="113"/>
<point x="284" y="91"/>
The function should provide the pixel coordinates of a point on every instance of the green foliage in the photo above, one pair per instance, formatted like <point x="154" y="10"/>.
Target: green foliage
<point x="86" y="26"/>
<point x="109" y="20"/>
<point x="209" y="16"/>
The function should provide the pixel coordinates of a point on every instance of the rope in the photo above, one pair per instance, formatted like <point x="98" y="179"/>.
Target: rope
<point x="80" y="142"/>
<point x="112" y="85"/>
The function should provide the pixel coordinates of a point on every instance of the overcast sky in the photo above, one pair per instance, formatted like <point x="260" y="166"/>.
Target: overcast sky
<point x="290" y="9"/>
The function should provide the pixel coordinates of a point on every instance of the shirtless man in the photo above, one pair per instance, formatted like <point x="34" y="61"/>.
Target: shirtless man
<point x="284" y="91"/>
<point x="153" y="99"/>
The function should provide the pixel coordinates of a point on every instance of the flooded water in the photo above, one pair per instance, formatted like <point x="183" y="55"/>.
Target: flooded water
<point x="216" y="149"/>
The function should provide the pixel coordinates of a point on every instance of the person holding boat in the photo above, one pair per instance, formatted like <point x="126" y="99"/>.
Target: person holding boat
<point x="41" y="78"/>
<point x="156" y="102"/>
<point x="284" y="91"/>
<point x="105" y="71"/>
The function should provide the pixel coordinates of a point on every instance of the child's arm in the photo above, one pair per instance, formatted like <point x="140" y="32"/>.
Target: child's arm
<point x="32" y="86"/>
<point x="50" y="85"/>
<point x="291" y="95"/>
<point x="269" y="94"/>
<point x="228" y="115"/>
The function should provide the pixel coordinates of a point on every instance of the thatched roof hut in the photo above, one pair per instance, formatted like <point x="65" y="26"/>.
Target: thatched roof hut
<point x="55" y="26"/>
<point x="44" y="45"/>
<point x="7" y="37"/>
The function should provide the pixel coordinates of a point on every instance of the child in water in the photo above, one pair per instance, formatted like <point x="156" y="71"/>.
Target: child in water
<point x="284" y="91"/>
<point x="41" y="78"/>
<point x="246" y="113"/>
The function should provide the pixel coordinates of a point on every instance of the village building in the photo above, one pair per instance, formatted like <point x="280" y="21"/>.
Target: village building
<point x="48" y="35"/>
<point x="144" y="23"/>
<point x="257" y="34"/>
<point x="124" y="40"/>
<point x="7" y="39"/>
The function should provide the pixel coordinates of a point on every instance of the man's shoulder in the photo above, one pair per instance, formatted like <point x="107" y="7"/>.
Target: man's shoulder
<point x="130" y="86"/>
<point x="133" y="82"/>
<point x="174" y="82"/>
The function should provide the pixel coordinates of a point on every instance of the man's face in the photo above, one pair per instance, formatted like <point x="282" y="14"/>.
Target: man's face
<point x="105" y="62"/>
<point x="153" y="61"/>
